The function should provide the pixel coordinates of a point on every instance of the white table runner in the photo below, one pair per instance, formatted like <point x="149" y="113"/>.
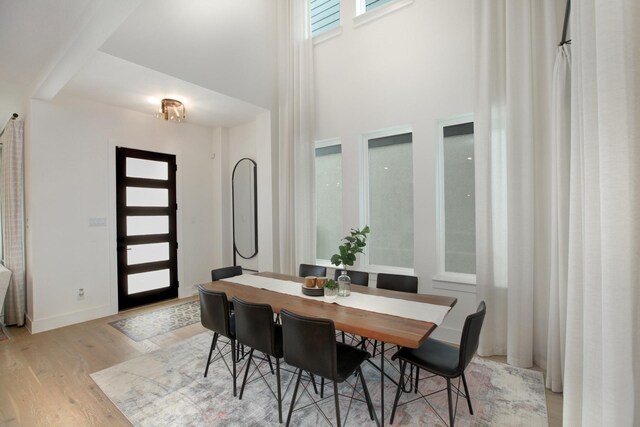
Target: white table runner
<point x="396" y="307"/>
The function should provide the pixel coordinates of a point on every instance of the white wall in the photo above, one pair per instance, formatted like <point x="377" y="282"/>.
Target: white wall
<point x="71" y="178"/>
<point x="409" y="68"/>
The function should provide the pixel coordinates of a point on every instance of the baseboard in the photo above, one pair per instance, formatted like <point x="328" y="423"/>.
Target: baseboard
<point x="42" y="325"/>
<point x="450" y="335"/>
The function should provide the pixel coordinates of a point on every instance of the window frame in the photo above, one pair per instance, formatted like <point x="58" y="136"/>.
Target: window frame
<point x="362" y="16"/>
<point x="443" y="279"/>
<point x="365" y="263"/>
<point x="324" y="143"/>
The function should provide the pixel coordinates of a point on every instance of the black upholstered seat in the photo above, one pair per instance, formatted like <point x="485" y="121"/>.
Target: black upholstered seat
<point x="397" y="282"/>
<point x="225" y="272"/>
<point x="357" y="277"/>
<point x="312" y="270"/>
<point x="255" y="329"/>
<point x="310" y="345"/>
<point x="444" y="360"/>
<point x="215" y="316"/>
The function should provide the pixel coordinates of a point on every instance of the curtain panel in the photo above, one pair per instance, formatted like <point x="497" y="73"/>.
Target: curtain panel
<point x="514" y="46"/>
<point x="296" y="145"/>
<point x="13" y="220"/>
<point x="602" y="365"/>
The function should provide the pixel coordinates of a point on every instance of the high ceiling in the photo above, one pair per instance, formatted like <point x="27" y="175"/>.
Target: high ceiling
<point x="219" y="56"/>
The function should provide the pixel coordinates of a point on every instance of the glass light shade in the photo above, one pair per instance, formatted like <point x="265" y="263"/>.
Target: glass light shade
<point x="172" y="110"/>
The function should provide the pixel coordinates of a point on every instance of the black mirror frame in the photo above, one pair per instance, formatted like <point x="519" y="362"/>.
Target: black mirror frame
<point x="233" y="209"/>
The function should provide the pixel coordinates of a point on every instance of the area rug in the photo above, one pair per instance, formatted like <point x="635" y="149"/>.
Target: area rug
<point x="167" y="388"/>
<point x="147" y="325"/>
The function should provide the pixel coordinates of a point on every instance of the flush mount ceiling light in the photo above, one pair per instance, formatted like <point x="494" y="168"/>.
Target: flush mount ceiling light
<point x="172" y="110"/>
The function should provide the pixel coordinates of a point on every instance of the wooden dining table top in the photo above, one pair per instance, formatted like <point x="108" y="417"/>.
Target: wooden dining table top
<point x="382" y="327"/>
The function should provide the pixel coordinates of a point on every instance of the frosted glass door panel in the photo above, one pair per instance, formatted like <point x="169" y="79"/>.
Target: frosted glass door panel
<point x="142" y="225"/>
<point x="138" y="254"/>
<point x="140" y="168"/>
<point x="138" y="196"/>
<point x="148" y="281"/>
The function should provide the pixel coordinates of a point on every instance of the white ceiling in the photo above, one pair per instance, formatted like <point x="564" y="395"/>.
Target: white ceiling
<point x="219" y="56"/>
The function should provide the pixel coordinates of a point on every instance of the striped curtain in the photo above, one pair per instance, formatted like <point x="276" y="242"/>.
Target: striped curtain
<point x="12" y="199"/>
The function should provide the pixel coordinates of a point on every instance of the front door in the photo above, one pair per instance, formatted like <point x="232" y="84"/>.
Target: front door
<point x="146" y="227"/>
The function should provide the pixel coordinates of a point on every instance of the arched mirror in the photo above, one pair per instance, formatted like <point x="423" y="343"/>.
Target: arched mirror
<point x="245" y="209"/>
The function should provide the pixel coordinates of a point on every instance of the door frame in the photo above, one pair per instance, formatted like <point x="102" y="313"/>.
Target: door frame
<point x="125" y="301"/>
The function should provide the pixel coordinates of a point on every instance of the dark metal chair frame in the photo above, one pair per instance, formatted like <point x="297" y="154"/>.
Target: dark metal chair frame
<point x="420" y="359"/>
<point x="215" y="316"/>
<point x="256" y="329"/>
<point x="310" y="345"/>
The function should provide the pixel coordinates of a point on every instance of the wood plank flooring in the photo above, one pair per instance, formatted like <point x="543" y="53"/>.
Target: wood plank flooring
<point x="44" y="378"/>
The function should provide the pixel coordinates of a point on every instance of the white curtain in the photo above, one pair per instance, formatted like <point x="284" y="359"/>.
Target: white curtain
<point x="13" y="219"/>
<point x="514" y="45"/>
<point x="602" y="367"/>
<point x="559" y="250"/>
<point x="296" y="148"/>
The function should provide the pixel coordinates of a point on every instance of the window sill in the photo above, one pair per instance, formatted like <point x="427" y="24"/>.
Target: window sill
<point x="455" y="282"/>
<point x="327" y="35"/>
<point x="378" y="13"/>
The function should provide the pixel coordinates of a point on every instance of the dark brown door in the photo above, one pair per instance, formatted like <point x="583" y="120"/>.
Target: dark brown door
<point x="146" y="227"/>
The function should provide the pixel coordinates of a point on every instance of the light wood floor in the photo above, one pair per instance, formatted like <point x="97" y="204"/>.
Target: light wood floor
<point x="44" y="378"/>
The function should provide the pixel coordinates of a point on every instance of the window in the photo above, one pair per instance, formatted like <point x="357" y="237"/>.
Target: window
<point x="325" y="15"/>
<point x="328" y="199"/>
<point x="388" y="204"/>
<point x="456" y="202"/>
<point x="372" y="4"/>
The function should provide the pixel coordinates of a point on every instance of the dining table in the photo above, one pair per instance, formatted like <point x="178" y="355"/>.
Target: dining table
<point x="375" y="322"/>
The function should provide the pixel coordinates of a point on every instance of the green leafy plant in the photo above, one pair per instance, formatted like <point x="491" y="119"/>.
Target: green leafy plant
<point x="353" y="244"/>
<point x="331" y="284"/>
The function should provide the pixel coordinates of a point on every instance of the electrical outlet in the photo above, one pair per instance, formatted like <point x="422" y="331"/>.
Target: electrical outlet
<point x="81" y="293"/>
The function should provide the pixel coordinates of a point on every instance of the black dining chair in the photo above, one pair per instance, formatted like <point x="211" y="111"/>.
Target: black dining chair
<point x="357" y="277"/>
<point x="225" y="272"/>
<point x="256" y="329"/>
<point x="216" y="316"/>
<point x="310" y="345"/>
<point x="312" y="270"/>
<point x="397" y="282"/>
<point x="445" y="360"/>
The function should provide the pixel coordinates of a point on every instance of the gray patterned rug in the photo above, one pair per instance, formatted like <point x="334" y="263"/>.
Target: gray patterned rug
<point x="167" y="388"/>
<point x="147" y="325"/>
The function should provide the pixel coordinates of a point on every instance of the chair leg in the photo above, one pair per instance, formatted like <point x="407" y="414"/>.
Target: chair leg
<point x="313" y="381"/>
<point x="403" y="366"/>
<point x="233" y="360"/>
<point x="213" y="345"/>
<point x="321" y="387"/>
<point x="293" y="399"/>
<point x="246" y="373"/>
<point x="343" y="338"/>
<point x="367" y="396"/>
<point x="279" y="392"/>
<point x="337" y="400"/>
<point x="270" y="365"/>
<point x="415" y="390"/>
<point x="466" y="392"/>
<point x="451" y="418"/>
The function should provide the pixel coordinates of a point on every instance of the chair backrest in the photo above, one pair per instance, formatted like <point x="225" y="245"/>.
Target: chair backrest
<point x="214" y="311"/>
<point x="397" y="282"/>
<point x="225" y="272"/>
<point x="357" y="277"/>
<point x="309" y="344"/>
<point x="471" y="336"/>
<point x="254" y="325"/>
<point x="312" y="270"/>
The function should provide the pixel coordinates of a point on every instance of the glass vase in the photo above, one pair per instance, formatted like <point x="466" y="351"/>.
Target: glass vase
<point x="344" y="284"/>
